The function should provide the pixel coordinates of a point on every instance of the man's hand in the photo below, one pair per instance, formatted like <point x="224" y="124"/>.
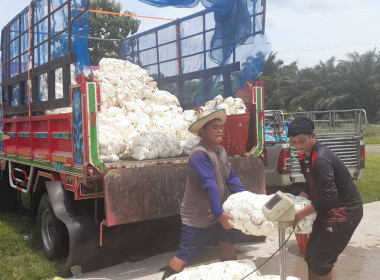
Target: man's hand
<point x="295" y="221"/>
<point x="303" y="194"/>
<point x="300" y="214"/>
<point x="224" y="220"/>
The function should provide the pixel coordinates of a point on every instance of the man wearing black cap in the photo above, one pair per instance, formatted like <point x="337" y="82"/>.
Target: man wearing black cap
<point x="334" y="195"/>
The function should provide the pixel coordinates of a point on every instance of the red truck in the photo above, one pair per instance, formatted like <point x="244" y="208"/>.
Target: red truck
<point x="89" y="213"/>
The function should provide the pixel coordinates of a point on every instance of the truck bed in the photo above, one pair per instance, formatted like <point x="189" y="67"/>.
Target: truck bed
<point x="131" y="163"/>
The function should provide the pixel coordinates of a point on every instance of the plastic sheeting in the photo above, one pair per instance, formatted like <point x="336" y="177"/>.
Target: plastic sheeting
<point x="226" y="33"/>
<point x="232" y="23"/>
<point x="80" y="30"/>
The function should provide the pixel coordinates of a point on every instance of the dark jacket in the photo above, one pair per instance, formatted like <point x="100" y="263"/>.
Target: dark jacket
<point x="330" y="186"/>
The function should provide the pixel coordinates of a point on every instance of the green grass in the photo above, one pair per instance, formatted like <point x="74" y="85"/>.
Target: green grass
<point x="372" y="140"/>
<point x="372" y="134"/>
<point x="20" y="254"/>
<point x="369" y="185"/>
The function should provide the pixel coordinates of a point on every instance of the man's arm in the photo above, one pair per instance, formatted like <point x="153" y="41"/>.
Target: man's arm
<point x="300" y="214"/>
<point x="325" y="183"/>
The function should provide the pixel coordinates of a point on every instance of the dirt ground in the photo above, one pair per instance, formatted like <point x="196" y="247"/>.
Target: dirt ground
<point x="372" y="149"/>
<point x="360" y="260"/>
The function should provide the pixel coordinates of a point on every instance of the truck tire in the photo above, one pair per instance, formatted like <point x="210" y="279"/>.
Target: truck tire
<point x="50" y="229"/>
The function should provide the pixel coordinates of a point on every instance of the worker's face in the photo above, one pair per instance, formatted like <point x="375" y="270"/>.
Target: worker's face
<point x="213" y="131"/>
<point x="303" y="143"/>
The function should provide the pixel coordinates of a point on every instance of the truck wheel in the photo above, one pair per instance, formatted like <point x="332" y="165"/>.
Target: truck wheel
<point x="49" y="228"/>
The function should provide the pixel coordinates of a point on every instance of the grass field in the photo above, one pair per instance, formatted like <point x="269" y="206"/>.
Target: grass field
<point x="372" y="134"/>
<point x="20" y="255"/>
<point x="369" y="185"/>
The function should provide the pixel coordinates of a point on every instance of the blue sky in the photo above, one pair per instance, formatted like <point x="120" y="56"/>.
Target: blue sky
<point x="306" y="31"/>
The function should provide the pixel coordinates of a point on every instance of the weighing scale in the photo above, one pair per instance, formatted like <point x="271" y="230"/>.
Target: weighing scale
<point x="280" y="209"/>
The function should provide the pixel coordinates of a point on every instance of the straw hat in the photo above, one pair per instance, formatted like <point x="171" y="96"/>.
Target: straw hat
<point x="205" y="117"/>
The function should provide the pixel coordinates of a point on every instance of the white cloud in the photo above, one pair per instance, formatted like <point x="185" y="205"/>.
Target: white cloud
<point x="296" y="33"/>
<point x="312" y="6"/>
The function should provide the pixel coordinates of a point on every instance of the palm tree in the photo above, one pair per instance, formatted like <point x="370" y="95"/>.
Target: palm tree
<point x="364" y="78"/>
<point x="280" y="82"/>
<point x="346" y="84"/>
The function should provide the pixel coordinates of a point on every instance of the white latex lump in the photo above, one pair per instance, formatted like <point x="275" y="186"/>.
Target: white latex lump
<point x="233" y="106"/>
<point x="228" y="270"/>
<point x="246" y="210"/>
<point x="137" y="120"/>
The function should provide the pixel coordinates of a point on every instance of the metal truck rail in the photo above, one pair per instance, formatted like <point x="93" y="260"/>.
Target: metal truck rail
<point x="334" y="121"/>
<point x="349" y="149"/>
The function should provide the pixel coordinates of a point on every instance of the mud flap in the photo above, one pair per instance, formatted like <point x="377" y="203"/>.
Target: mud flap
<point x="146" y="193"/>
<point x="77" y="226"/>
<point x="152" y="192"/>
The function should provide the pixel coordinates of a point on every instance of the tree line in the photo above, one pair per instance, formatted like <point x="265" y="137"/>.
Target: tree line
<point x="353" y="83"/>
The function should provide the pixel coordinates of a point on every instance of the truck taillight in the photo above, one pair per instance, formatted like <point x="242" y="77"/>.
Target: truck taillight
<point x="362" y="156"/>
<point x="283" y="165"/>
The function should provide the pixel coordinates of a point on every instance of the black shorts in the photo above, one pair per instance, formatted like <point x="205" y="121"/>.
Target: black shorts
<point x="327" y="241"/>
<point x="194" y="239"/>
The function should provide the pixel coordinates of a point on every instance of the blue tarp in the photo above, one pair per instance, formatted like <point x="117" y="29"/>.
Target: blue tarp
<point x="230" y="31"/>
<point x="232" y="18"/>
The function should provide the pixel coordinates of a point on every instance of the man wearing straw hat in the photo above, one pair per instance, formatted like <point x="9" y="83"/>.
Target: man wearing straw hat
<point x="210" y="181"/>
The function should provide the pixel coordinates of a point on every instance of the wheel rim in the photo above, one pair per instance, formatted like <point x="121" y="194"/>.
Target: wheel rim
<point x="47" y="229"/>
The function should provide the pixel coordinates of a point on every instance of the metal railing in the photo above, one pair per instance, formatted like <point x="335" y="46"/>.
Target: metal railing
<point x="28" y="44"/>
<point x="334" y="121"/>
<point x="275" y="125"/>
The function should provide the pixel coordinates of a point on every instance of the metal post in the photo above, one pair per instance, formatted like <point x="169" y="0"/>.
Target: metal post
<point x="282" y="260"/>
<point x="356" y="121"/>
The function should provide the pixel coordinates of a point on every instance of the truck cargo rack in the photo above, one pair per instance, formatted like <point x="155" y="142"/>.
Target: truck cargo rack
<point x="154" y="50"/>
<point x="28" y="48"/>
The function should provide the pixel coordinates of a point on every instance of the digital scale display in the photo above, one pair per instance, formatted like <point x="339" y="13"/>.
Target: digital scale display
<point x="273" y="202"/>
<point x="279" y="208"/>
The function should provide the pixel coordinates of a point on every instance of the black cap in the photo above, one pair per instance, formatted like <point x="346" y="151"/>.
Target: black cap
<point x="301" y="126"/>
